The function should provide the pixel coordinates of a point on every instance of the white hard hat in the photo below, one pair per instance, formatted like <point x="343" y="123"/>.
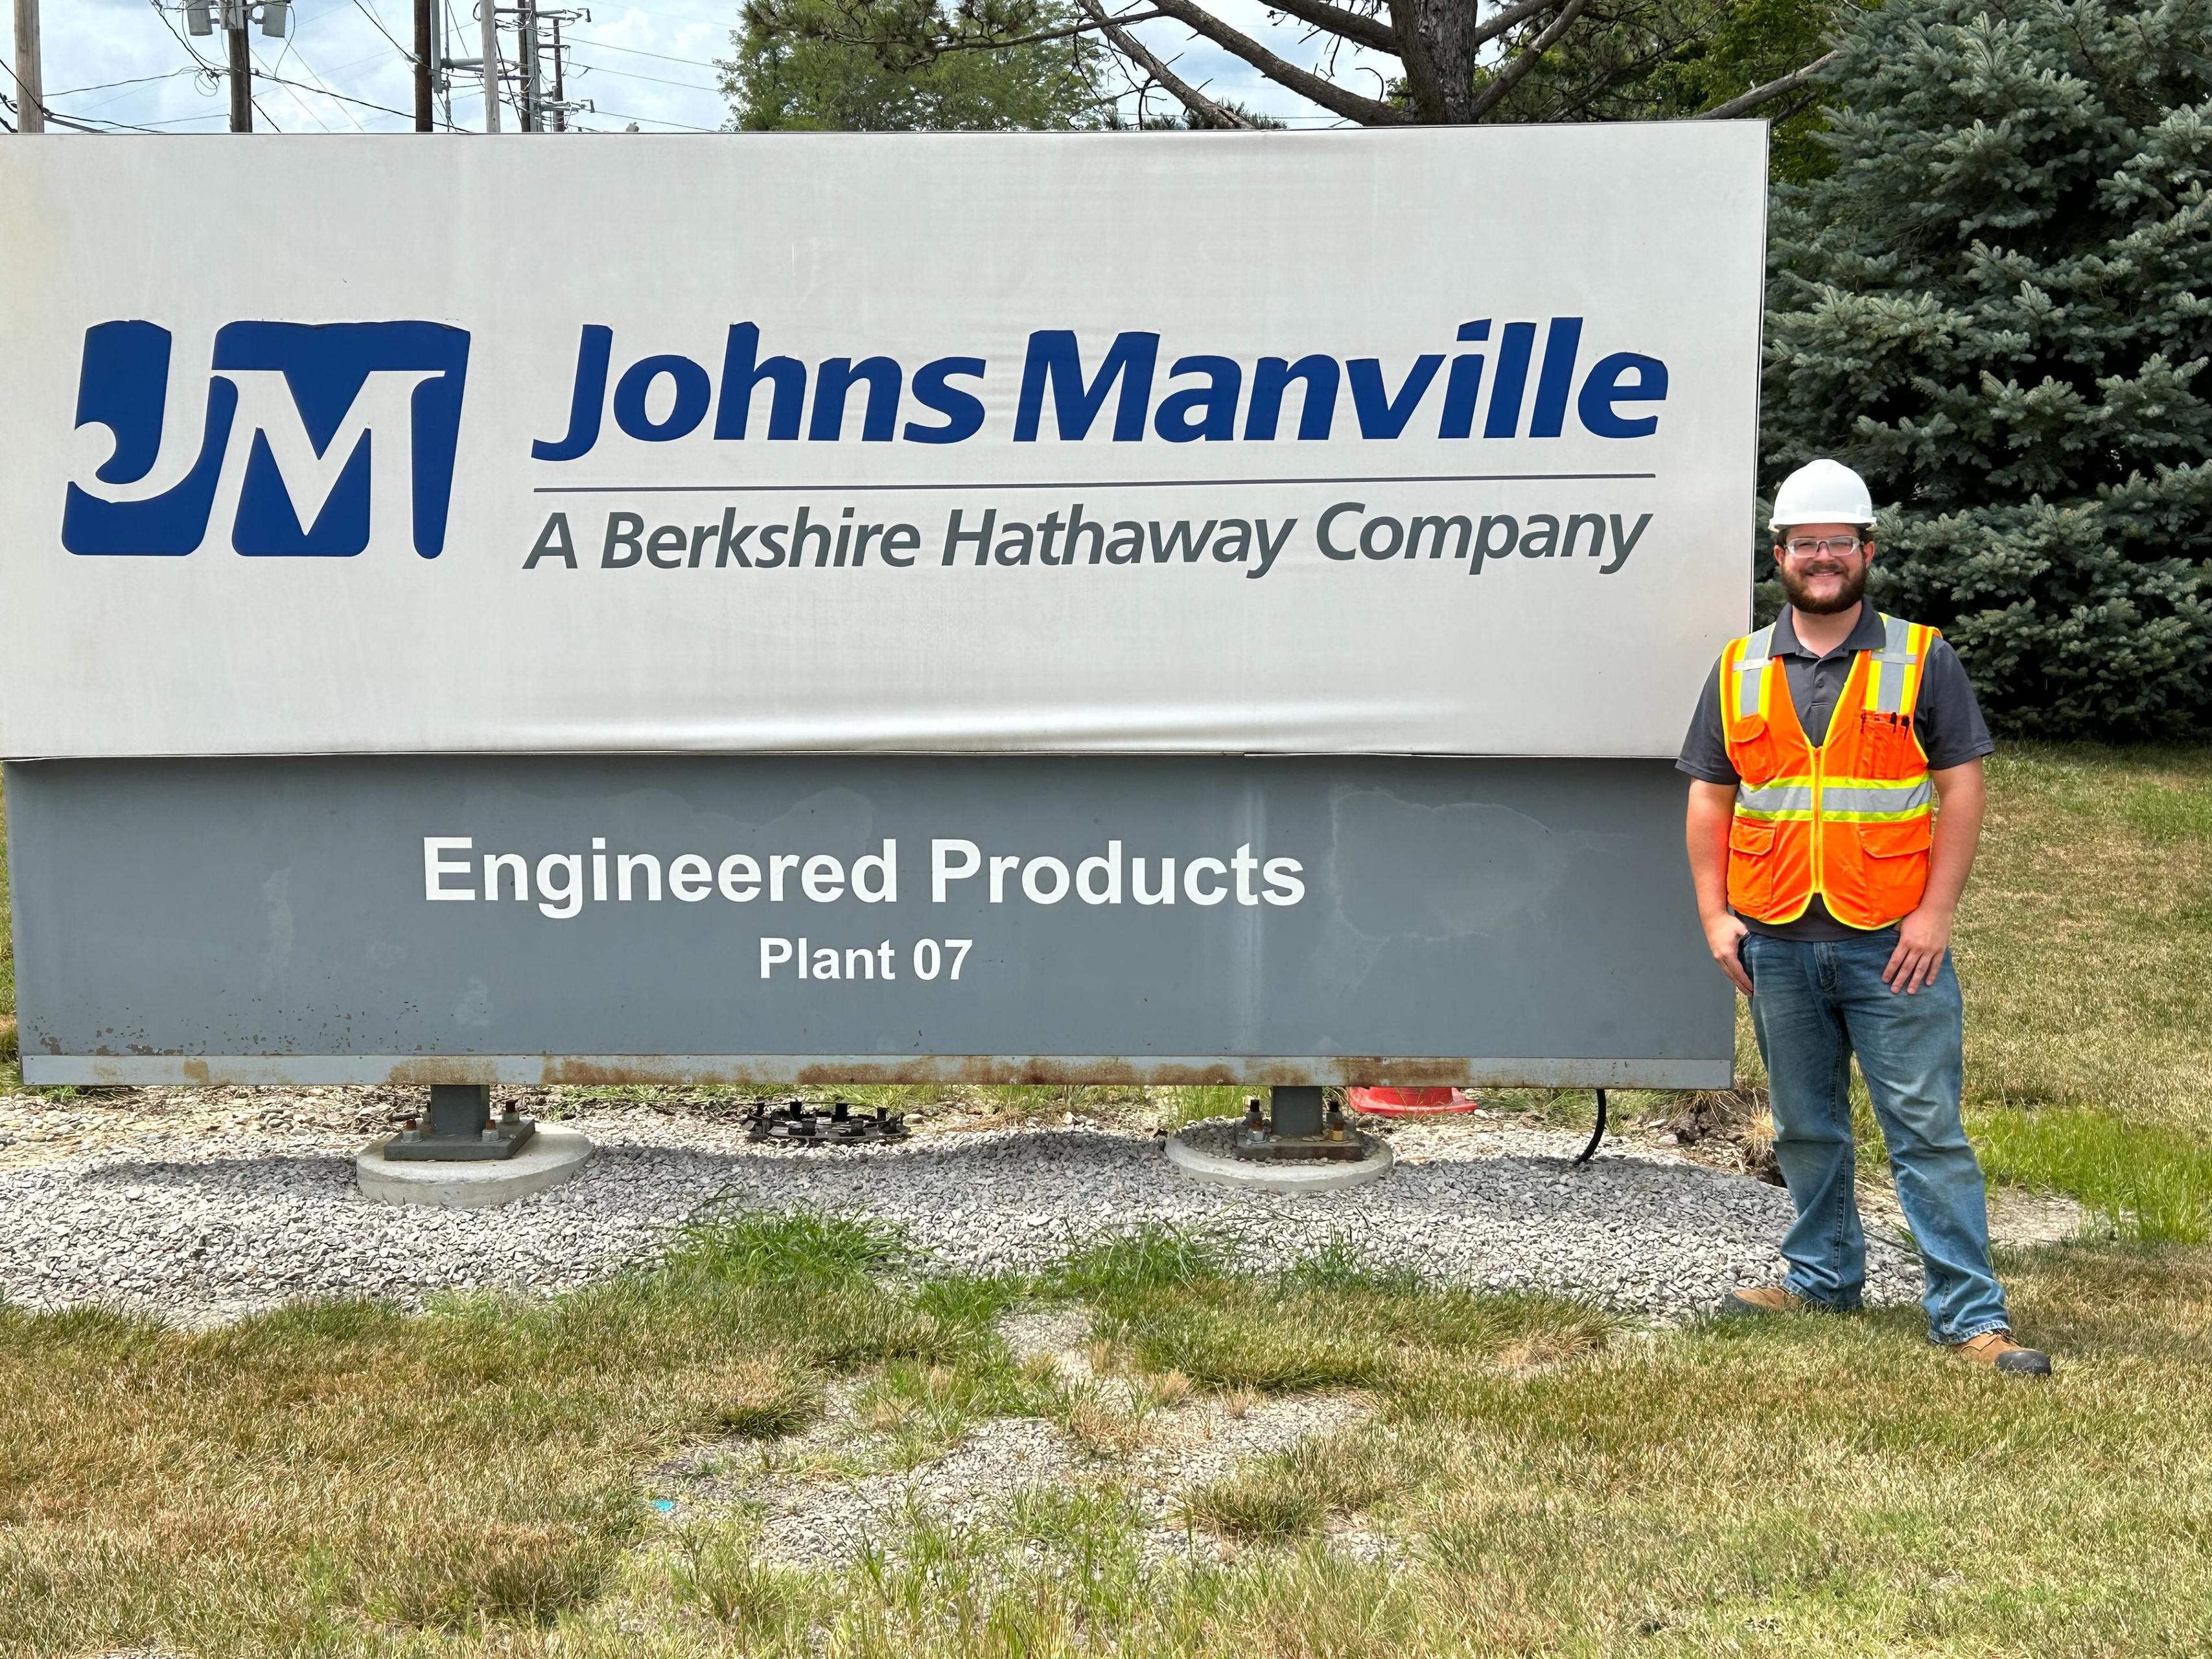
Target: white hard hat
<point x="1822" y="492"/>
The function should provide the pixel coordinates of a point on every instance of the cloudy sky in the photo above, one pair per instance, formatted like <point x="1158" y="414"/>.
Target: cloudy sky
<point x="127" y="65"/>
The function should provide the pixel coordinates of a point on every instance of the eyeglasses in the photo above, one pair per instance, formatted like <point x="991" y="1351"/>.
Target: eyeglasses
<point x="1810" y="547"/>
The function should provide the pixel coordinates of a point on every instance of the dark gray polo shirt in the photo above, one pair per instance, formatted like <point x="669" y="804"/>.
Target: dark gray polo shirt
<point x="1947" y="719"/>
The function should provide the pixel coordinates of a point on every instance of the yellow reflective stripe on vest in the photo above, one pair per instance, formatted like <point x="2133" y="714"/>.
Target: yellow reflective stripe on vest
<point x="1768" y="800"/>
<point x="1886" y="800"/>
<point x="1750" y="690"/>
<point x="1894" y="675"/>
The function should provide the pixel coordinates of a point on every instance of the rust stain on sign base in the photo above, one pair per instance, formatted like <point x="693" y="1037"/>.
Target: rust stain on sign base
<point x="784" y="1070"/>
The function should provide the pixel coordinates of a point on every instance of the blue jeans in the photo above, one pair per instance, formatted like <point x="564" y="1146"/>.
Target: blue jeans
<point x="1815" y="1006"/>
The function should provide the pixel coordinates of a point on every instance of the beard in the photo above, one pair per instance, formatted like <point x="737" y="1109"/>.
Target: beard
<point x="1853" y="588"/>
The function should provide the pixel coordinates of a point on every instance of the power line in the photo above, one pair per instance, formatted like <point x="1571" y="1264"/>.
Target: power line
<point x="18" y="80"/>
<point x="656" y="79"/>
<point x="135" y="81"/>
<point x="640" y="51"/>
<point x="658" y="121"/>
<point x="48" y="112"/>
<point x="369" y="13"/>
<point x="95" y="125"/>
<point x="305" y="108"/>
<point x="214" y="71"/>
<point x="678" y="17"/>
<point x="322" y="82"/>
<point x="381" y="109"/>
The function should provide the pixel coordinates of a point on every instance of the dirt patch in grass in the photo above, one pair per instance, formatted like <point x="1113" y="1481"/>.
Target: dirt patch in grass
<point x="922" y="1455"/>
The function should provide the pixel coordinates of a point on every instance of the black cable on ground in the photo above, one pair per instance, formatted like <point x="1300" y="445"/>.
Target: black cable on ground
<point x="1596" y="1134"/>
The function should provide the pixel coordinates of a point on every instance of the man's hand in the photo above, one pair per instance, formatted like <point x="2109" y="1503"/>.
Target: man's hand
<point x="1724" y="938"/>
<point x="1925" y="935"/>
<point x="1711" y="811"/>
<point x="1922" y="939"/>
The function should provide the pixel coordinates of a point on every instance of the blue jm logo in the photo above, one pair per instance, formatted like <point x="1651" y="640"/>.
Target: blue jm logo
<point x="320" y="440"/>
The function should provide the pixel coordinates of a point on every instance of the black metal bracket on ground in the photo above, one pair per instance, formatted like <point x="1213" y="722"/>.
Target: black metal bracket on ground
<point x="795" y="1123"/>
<point x="1596" y="1134"/>
<point x="459" y="1128"/>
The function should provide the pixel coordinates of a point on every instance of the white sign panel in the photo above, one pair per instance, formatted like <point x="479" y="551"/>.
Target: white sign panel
<point x="1430" y="442"/>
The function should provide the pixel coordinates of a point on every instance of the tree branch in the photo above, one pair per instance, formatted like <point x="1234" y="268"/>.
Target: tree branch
<point x="1509" y="77"/>
<point x="1773" y="89"/>
<point x="1191" y="98"/>
<point x="1330" y="96"/>
<point x="1512" y="14"/>
<point x="1574" y="103"/>
<point x="1049" y="34"/>
<point x="1352" y="26"/>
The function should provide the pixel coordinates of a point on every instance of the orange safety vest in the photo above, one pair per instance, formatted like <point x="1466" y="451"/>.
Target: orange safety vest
<point x="1851" y="820"/>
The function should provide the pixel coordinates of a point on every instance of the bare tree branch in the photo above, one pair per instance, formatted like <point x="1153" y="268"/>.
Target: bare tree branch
<point x="1509" y="77"/>
<point x="951" y="47"/>
<point x="1512" y="14"/>
<point x="1773" y="89"/>
<point x="1354" y="25"/>
<point x="1201" y="106"/>
<point x="1327" y="93"/>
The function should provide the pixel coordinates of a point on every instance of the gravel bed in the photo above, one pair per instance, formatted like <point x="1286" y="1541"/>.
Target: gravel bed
<point x="199" y="1228"/>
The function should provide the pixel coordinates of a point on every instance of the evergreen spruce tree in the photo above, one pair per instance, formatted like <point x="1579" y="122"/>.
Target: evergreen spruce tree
<point x="1998" y="306"/>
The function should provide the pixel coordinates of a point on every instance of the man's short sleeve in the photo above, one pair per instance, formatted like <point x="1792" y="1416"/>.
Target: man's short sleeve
<point x="1948" y="717"/>
<point x="1705" y="749"/>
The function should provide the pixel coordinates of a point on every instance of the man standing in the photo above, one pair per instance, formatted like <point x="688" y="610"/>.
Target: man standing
<point x="1828" y="882"/>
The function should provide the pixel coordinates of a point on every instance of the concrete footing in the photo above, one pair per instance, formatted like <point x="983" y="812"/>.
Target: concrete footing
<point x="1205" y="1151"/>
<point x="551" y="1155"/>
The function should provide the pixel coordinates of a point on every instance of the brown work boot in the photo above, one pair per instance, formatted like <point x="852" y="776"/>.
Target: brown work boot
<point x="1762" y="1299"/>
<point x="1997" y="1350"/>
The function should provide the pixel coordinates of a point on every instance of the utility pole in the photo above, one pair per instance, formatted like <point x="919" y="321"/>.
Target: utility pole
<point x="529" y="54"/>
<point x="241" y="67"/>
<point x="30" y="84"/>
<point x="425" y="47"/>
<point x="558" y="107"/>
<point x="446" y="67"/>
<point x="560" y="95"/>
<point x="490" y="24"/>
<point x="234" y="18"/>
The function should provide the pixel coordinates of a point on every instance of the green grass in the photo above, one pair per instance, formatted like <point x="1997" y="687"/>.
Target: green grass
<point x="2085" y="950"/>
<point x="1294" y="1493"/>
<point x="343" y="1480"/>
<point x="1172" y="1301"/>
<point x="340" y="1462"/>
<point x="2144" y="1181"/>
<point x="2083" y="947"/>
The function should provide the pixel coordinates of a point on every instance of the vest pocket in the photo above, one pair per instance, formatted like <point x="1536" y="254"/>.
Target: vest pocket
<point x="1892" y="841"/>
<point x="1876" y="872"/>
<point x="1888" y="747"/>
<point x="1751" y="866"/>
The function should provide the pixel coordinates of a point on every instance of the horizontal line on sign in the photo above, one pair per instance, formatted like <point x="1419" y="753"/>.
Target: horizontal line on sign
<point x="1077" y="483"/>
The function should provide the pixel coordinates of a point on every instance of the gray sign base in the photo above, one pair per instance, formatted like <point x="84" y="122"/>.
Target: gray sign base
<point x="772" y="921"/>
<point x="552" y="1156"/>
<point x="1203" y="1151"/>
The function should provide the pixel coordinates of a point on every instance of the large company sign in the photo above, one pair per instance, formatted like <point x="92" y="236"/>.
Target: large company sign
<point x="1430" y="442"/>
